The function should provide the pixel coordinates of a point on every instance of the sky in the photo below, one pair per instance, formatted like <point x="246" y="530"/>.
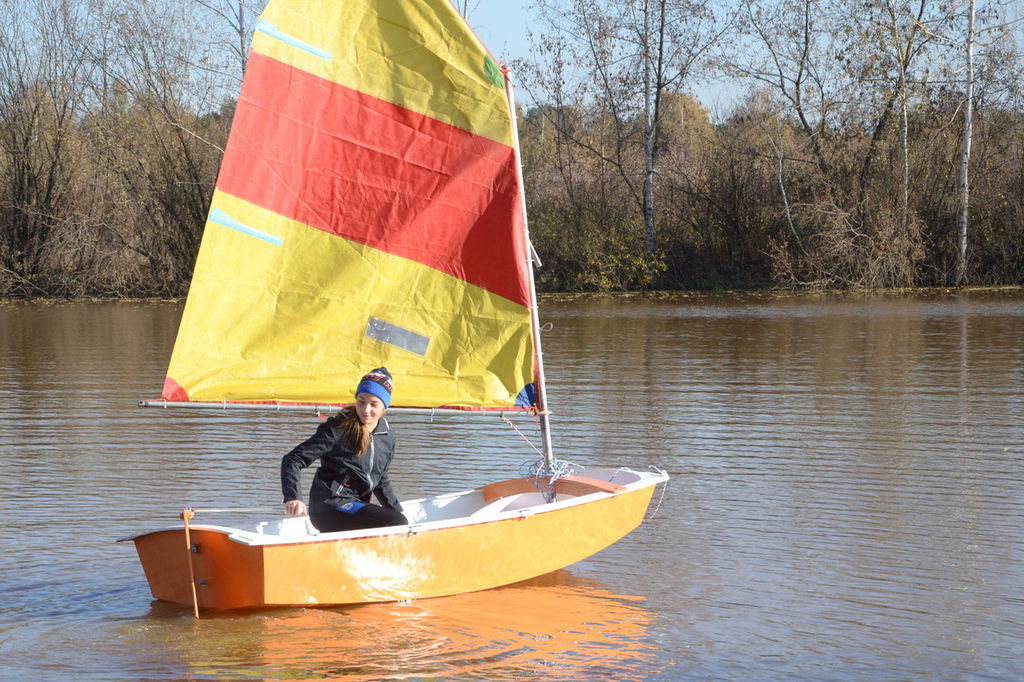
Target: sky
<point x="502" y="25"/>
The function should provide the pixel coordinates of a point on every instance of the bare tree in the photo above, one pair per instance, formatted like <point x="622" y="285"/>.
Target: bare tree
<point x="965" y="159"/>
<point x="466" y="7"/>
<point x="231" y="30"/>
<point x="42" y="73"/>
<point x="1000" y="35"/>
<point x="625" y="57"/>
<point x="162" y="136"/>
<point x="841" y="67"/>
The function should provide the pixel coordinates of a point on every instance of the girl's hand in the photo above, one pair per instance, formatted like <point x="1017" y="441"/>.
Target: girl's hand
<point x="295" y="508"/>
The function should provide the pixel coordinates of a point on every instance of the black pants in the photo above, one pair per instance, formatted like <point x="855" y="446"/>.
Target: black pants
<point x="366" y="516"/>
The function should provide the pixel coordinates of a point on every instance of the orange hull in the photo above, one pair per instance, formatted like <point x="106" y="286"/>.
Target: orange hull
<point x="234" y="569"/>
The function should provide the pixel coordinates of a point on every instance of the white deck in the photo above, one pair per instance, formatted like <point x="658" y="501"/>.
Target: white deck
<point x="443" y="511"/>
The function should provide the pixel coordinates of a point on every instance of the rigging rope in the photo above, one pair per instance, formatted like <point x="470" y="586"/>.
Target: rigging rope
<point x="664" y="487"/>
<point x="523" y="435"/>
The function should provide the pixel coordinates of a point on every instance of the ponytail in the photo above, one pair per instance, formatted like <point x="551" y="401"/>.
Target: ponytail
<point x="355" y="430"/>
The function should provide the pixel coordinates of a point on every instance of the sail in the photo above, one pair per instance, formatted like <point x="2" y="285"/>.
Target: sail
<point x="368" y="212"/>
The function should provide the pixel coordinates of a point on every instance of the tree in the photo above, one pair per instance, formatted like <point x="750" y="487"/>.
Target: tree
<point x="965" y="162"/>
<point x="161" y="137"/>
<point x="230" y="32"/>
<point x="466" y="7"/>
<point x="843" y="70"/>
<point x="42" y="74"/>
<point x="620" y="58"/>
<point x="1000" y="29"/>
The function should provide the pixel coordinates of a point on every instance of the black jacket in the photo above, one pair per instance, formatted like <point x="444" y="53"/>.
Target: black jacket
<point x="342" y="476"/>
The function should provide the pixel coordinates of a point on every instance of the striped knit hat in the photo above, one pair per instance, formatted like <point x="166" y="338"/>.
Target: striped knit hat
<point x="377" y="382"/>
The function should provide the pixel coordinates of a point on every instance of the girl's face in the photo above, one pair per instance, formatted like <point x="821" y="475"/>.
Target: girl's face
<point x="369" y="408"/>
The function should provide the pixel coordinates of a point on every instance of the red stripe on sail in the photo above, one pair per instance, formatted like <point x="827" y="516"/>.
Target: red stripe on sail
<point x="351" y="164"/>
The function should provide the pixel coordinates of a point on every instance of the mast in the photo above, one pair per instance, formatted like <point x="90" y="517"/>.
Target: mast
<point x="531" y="256"/>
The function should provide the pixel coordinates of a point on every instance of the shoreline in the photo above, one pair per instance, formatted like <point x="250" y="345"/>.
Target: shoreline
<point x="774" y="291"/>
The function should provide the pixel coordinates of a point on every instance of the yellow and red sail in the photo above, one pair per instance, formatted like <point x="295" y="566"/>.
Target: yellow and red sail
<point x="368" y="212"/>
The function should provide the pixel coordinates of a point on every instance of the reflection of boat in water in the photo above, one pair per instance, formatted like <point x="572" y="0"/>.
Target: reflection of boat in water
<point x="557" y="626"/>
<point x="370" y="211"/>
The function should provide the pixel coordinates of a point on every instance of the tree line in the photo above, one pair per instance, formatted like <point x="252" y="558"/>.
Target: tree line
<point x="877" y="143"/>
<point x="873" y="143"/>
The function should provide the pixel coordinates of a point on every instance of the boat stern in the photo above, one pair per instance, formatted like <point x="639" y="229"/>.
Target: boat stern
<point x="226" y="574"/>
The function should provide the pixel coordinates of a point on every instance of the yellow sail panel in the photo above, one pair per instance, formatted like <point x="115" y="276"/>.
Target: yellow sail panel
<point x="309" y="328"/>
<point x="418" y="55"/>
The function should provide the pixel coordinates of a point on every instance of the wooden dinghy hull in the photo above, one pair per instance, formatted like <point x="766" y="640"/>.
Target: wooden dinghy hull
<point x="510" y="534"/>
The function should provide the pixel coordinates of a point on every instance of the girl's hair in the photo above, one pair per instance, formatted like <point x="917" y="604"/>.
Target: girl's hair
<point x="356" y="431"/>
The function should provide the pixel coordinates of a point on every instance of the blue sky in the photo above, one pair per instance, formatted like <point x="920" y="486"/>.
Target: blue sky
<point x="501" y="25"/>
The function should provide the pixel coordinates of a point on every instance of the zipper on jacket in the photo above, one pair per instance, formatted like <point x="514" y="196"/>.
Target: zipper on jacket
<point x="369" y="469"/>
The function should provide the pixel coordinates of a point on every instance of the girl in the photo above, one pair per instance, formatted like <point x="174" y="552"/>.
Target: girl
<point x="355" y="449"/>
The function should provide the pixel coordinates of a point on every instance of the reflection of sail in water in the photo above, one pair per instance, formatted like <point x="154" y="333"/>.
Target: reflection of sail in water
<point x="556" y="626"/>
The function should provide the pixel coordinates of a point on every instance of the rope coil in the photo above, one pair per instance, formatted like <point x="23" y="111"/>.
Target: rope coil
<point x="538" y="471"/>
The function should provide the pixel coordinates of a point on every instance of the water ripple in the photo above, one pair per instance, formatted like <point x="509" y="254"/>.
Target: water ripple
<point x="844" y="502"/>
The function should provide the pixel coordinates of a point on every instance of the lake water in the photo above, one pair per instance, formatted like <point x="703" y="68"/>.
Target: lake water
<point x="845" y="502"/>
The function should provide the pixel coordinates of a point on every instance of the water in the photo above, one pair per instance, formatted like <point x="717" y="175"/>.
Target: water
<point x="845" y="500"/>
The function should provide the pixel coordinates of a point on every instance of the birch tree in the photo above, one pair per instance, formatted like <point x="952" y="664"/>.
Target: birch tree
<point x="841" y="67"/>
<point x="229" y="34"/>
<point x="999" y="34"/>
<point x="1001" y="29"/>
<point x="624" y="56"/>
<point x="965" y="159"/>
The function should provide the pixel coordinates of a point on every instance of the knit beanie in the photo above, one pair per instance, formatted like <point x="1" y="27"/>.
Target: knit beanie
<point x="378" y="382"/>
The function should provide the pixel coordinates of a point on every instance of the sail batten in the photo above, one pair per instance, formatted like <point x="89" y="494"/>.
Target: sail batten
<point x="269" y="29"/>
<point x="368" y="212"/>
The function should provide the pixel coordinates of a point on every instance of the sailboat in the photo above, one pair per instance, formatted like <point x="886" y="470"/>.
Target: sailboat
<point x="369" y="211"/>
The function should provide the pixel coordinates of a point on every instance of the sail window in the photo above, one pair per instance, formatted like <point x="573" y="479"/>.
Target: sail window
<point x="264" y="26"/>
<point x="394" y="335"/>
<point x="221" y="218"/>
